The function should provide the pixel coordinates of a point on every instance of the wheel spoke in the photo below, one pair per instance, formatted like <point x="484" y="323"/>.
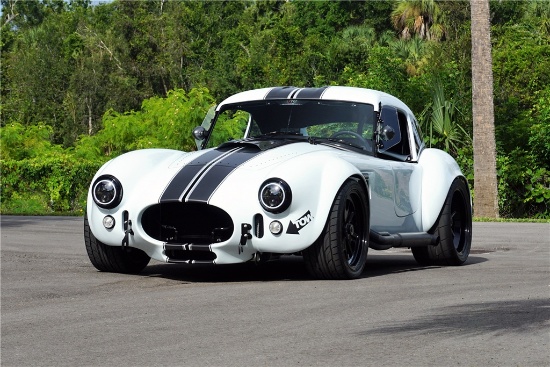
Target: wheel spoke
<point x="351" y="216"/>
<point x="349" y="212"/>
<point x="347" y="249"/>
<point x="351" y="224"/>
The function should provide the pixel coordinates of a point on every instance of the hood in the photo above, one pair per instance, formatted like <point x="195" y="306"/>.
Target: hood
<point x="197" y="180"/>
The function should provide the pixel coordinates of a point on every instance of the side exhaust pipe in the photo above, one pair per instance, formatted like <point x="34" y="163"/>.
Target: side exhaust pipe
<point x="385" y="240"/>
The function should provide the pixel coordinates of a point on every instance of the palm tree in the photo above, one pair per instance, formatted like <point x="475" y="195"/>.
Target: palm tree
<point x="422" y="18"/>
<point x="485" y="176"/>
<point x="412" y="52"/>
<point x="440" y="124"/>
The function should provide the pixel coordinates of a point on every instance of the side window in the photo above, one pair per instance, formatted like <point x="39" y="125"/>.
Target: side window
<point x="403" y="147"/>
<point x="397" y="146"/>
<point x="389" y="119"/>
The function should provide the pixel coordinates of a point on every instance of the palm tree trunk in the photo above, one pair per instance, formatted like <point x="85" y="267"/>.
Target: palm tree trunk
<point x="485" y="176"/>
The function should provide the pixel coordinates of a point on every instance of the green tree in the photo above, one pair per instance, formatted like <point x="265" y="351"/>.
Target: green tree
<point x="521" y="70"/>
<point x="160" y="123"/>
<point x="37" y="76"/>
<point x="422" y="18"/>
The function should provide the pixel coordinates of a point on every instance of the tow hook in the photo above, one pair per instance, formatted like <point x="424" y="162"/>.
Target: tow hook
<point x="127" y="226"/>
<point x="245" y="234"/>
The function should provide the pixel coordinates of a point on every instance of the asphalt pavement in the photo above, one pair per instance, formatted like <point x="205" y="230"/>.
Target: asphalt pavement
<point x="58" y="310"/>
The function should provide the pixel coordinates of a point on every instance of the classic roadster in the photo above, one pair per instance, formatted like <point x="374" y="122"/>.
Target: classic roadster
<point x="323" y="173"/>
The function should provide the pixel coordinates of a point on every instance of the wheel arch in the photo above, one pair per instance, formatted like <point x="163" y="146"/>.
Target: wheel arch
<point x="365" y="185"/>
<point x="337" y="173"/>
<point x="314" y="190"/>
<point x="449" y="193"/>
<point x="341" y="250"/>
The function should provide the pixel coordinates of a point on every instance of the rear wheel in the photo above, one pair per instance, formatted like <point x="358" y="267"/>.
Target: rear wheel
<point x="454" y="228"/>
<point x="115" y="259"/>
<point x="341" y="250"/>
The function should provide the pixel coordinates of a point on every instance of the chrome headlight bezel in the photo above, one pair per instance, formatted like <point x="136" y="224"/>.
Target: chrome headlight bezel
<point x="280" y="193"/>
<point x="103" y="199"/>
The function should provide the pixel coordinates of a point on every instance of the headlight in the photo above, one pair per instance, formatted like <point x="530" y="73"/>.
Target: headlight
<point x="107" y="191"/>
<point x="275" y="195"/>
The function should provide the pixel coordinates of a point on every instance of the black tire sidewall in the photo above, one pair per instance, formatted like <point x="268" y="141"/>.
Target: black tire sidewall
<point x="325" y="258"/>
<point x="447" y="251"/>
<point x="113" y="258"/>
<point x="352" y="188"/>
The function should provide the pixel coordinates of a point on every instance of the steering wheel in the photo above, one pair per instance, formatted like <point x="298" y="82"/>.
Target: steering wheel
<point x="365" y="142"/>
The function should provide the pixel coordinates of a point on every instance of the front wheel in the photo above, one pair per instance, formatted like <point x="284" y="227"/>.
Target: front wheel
<point x="341" y="250"/>
<point x="115" y="259"/>
<point x="454" y="228"/>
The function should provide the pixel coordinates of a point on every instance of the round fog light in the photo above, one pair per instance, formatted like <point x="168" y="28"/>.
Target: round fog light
<point x="275" y="227"/>
<point x="108" y="222"/>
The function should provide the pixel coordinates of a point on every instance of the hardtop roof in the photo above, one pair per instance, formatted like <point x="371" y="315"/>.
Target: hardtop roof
<point x="335" y="93"/>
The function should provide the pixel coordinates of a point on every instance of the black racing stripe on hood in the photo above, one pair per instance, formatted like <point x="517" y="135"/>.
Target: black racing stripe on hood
<point x="311" y="93"/>
<point x="216" y="174"/>
<point x="188" y="174"/>
<point x="281" y="93"/>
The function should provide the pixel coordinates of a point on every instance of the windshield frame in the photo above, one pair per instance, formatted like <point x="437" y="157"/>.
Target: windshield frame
<point x="306" y="120"/>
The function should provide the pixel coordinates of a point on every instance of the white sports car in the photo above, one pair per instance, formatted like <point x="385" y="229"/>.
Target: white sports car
<point x="324" y="173"/>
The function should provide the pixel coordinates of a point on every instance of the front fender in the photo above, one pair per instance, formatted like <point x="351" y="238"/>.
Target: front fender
<point x="143" y="175"/>
<point x="315" y="189"/>
<point x="314" y="180"/>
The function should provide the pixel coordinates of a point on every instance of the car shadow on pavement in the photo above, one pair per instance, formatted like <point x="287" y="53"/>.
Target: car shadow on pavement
<point x="287" y="268"/>
<point x="498" y="318"/>
<point x="382" y="264"/>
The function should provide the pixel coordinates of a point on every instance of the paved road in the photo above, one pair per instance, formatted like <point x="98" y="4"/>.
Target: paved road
<point x="57" y="310"/>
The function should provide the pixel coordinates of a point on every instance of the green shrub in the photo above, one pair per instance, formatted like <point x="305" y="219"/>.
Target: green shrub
<point x="523" y="186"/>
<point x="45" y="185"/>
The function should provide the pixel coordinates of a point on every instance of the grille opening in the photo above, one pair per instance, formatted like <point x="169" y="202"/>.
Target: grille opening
<point x="188" y="256"/>
<point x="196" y="223"/>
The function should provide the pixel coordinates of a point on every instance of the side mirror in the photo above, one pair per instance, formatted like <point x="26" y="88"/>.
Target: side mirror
<point x="200" y="133"/>
<point x="387" y="133"/>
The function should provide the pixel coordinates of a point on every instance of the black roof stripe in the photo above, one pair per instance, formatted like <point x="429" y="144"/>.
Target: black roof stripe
<point x="311" y="93"/>
<point x="281" y="93"/>
<point x="293" y="92"/>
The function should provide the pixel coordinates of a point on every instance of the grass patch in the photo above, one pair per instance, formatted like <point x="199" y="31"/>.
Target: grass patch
<point x="511" y="220"/>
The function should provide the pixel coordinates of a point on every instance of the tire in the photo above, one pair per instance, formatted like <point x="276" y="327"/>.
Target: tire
<point x="454" y="228"/>
<point x="341" y="250"/>
<point x="114" y="259"/>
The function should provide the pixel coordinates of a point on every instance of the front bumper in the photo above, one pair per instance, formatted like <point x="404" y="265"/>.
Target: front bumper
<point x="200" y="233"/>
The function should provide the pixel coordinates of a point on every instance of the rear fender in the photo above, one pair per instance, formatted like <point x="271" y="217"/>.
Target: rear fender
<point x="439" y="172"/>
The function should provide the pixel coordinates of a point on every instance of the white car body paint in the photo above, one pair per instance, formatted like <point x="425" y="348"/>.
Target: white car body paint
<point x="405" y="196"/>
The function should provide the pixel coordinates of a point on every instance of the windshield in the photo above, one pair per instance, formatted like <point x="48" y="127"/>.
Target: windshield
<point x="309" y="120"/>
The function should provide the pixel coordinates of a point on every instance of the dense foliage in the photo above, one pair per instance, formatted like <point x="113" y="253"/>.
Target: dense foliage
<point x="82" y="83"/>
